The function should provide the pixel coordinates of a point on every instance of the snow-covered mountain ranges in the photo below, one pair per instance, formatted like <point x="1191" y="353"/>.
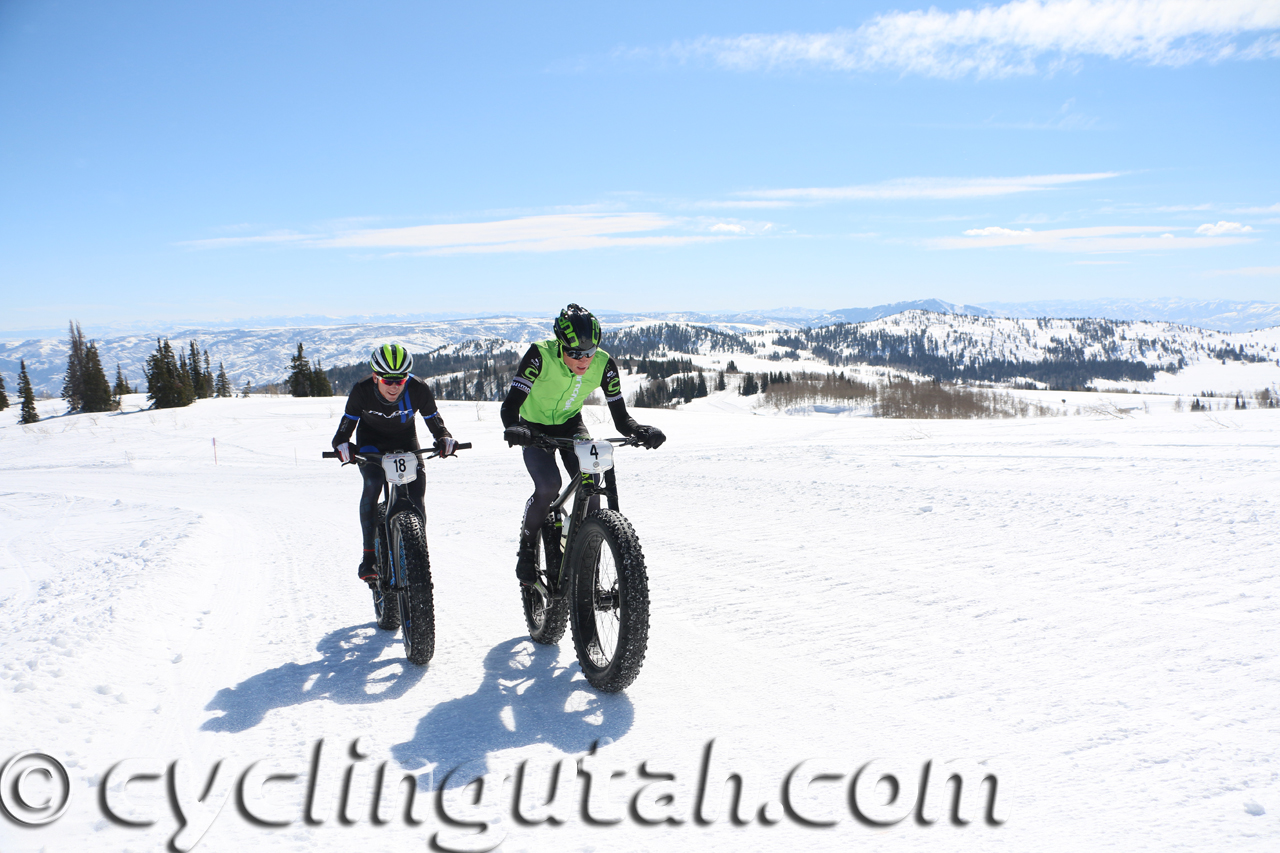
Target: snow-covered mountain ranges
<point x="955" y="334"/>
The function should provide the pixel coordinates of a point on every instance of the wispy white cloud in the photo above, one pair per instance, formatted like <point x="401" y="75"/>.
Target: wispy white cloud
<point x="1096" y="239"/>
<point x="249" y="240"/>
<point x="1275" y="208"/>
<point x="574" y="243"/>
<point x="1017" y="38"/>
<point x="560" y="232"/>
<point x="559" y="228"/>
<point x="928" y="188"/>
<point x="1250" y="271"/>
<point x="1214" y="229"/>
<point x="744" y="204"/>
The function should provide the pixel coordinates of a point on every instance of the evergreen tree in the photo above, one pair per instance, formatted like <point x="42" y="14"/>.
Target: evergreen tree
<point x="247" y="389"/>
<point x="185" y="383"/>
<point x="223" y="386"/>
<point x="122" y="385"/>
<point x="299" y="380"/>
<point x="720" y="386"/>
<point x="206" y="379"/>
<point x="194" y="375"/>
<point x="701" y="390"/>
<point x="4" y="398"/>
<point x="95" y="395"/>
<point x="28" y="396"/>
<point x="320" y="385"/>
<point x="749" y="385"/>
<point x="168" y="381"/>
<point x="73" y="381"/>
<point x="154" y="372"/>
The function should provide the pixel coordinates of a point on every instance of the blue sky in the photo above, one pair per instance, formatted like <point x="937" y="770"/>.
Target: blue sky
<point x="164" y="162"/>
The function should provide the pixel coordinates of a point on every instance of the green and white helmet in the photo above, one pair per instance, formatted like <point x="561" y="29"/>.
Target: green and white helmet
<point x="391" y="360"/>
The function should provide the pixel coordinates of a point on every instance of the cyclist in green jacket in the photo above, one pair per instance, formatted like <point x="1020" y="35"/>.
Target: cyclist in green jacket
<point x="554" y="379"/>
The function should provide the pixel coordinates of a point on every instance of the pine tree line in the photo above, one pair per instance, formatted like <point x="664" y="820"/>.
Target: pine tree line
<point x="683" y="388"/>
<point x="489" y="381"/>
<point x="673" y="337"/>
<point x="176" y="380"/>
<point x="656" y="368"/>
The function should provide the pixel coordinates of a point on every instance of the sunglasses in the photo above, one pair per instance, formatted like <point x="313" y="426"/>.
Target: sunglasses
<point x="393" y="380"/>
<point x="580" y="353"/>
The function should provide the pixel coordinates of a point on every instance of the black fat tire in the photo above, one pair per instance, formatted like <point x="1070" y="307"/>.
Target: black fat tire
<point x="386" y="611"/>
<point x="610" y="643"/>
<point x="417" y="609"/>
<point x="545" y="618"/>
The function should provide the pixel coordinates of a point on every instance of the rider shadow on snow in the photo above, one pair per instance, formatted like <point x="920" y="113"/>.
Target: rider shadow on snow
<point x="526" y="698"/>
<point x="349" y="673"/>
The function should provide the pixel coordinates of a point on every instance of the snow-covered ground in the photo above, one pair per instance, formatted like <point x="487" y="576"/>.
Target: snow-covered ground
<point x="1086" y="602"/>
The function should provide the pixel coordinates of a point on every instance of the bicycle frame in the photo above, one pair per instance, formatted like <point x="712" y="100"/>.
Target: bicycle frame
<point x="583" y="487"/>
<point x="397" y="501"/>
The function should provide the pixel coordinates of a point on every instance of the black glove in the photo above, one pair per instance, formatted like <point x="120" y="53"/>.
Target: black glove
<point x="650" y="436"/>
<point x="518" y="434"/>
<point x="444" y="446"/>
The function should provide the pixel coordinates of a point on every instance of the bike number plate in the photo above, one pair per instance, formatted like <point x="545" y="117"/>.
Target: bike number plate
<point x="595" y="457"/>
<point x="400" y="468"/>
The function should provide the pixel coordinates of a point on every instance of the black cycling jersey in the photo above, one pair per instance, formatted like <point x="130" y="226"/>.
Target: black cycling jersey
<point x="386" y="426"/>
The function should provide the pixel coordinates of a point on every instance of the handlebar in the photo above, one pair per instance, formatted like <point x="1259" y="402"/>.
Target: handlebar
<point x="550" y="442"/>
<point x="374" y="457"/>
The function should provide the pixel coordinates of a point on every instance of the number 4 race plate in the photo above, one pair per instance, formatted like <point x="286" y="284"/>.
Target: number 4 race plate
<point x="595" y="457"/>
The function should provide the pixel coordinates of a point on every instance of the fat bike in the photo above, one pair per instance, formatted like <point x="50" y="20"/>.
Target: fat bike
<point x="402" y="595"/>
<point x="591" y="572"/>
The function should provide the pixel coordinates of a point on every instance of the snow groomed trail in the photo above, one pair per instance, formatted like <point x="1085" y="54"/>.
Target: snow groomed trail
<point x="1086" y="603"/>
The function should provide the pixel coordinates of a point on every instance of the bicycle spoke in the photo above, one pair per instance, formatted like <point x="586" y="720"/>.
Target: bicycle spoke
<point x="605" y="601"/>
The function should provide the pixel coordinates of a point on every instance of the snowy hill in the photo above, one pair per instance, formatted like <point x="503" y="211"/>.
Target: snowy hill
<point x="1086" y="603"/>
<point x="969" y="338"/>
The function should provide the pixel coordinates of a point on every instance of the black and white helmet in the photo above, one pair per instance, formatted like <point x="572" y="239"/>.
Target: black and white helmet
<point x="391" y="360"/>
<point x="577" y="330"/>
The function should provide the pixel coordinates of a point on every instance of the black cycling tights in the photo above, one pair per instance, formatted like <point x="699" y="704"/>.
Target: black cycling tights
<point x="546" y="485"/>
<point x="374" y="477"/>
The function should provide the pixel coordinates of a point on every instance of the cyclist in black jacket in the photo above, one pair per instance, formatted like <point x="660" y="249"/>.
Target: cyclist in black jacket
<point x="383" y="406"/>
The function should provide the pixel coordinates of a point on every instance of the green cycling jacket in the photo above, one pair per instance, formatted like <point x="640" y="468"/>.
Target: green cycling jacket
<point x="556" y="394"/>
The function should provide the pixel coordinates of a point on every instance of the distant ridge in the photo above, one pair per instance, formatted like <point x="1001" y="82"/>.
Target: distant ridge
<point x="862" y="315"/>
<point x="1218" y="314"/>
